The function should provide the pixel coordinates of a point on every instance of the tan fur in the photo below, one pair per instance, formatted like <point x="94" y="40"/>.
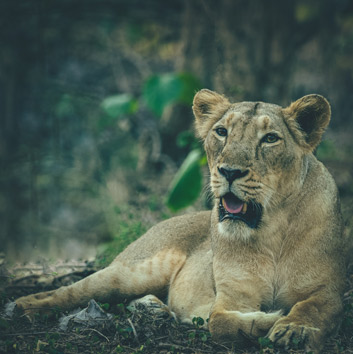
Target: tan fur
<point x="283" y="278"/>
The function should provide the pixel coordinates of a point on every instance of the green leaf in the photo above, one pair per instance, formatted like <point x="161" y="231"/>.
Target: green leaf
<point x="192" y="335"/>
<point x="190" y="85"/>
<point x="198" y="321"/>
<point x="105" y="306"/>
<point x="187" y="183"/>
<point x="161" y="90"/>
<point x="204" y="337"/>
<point x="265" y="342"/>
<point x="203" y="160"/>
<point x="185" y="138"/>
<point x="118" y="105"/>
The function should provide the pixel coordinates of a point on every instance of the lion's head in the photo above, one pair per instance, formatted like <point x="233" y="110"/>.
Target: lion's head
<point x="257" y="152"/>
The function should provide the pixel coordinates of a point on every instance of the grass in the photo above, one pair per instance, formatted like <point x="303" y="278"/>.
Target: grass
<point x="129" y="228"/>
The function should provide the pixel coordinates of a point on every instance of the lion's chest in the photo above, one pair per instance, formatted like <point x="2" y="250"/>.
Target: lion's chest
<point x="275" y="282"/>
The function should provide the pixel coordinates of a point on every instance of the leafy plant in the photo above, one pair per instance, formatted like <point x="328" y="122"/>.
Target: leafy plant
<point x="198" y="332"/>
<point x="128" y="231"/>
<point x="198" y="322"/>
<point x="187" y="183"/>
<point x="158" y="92"/>
<point x="161" y="90"/>
<point x="264" y="343"/>
<point x="118" y="105"/>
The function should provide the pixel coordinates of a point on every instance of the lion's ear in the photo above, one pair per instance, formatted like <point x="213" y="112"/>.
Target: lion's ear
<point x="308" y="118"/>
<point x="208" y="107"/>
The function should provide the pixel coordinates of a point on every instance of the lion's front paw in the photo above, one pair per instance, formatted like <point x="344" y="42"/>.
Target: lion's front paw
<point x="33" y="304"/>
<point x="296" y="336"/>
<point x="233" y="325"/>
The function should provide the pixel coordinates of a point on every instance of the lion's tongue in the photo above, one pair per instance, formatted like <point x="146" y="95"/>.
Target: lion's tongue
<point x="232" y="204"/>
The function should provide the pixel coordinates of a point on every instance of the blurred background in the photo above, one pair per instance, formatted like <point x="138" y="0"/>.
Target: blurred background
<point x="95" y="106"/>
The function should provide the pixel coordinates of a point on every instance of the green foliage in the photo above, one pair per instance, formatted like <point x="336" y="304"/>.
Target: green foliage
<point x="118" y="105"/>
<point x="161" y="90"/>
<point x="127" y="228"/>
<point x="190" y="84"/>
<point x="158" y="92"/>
<point x="105" y="306"/>
<point x="198" y="322"/>
<point x="264" y="343"/>
<point x="187" y="139"/>
<point x="187" y="183"/>
<point x="198" y="334"/>
<point x="134" y="32"/>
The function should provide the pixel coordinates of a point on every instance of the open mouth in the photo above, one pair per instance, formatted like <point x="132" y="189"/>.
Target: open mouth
<point x="231" y="207"/>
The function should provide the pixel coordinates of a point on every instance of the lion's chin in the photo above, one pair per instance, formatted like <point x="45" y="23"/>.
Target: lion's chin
<point x="234" y="209"/>
<point x="235" y="230"/>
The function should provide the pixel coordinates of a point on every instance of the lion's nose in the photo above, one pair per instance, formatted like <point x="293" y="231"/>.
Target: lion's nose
<point x="231" y="174"/>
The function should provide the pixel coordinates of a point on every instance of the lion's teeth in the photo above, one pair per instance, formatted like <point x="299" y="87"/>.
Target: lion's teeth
<point x="224" y="204"/>
<point x="245" y="208"/>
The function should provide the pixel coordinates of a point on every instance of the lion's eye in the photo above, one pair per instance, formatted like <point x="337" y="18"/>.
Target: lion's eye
<point x="270" y="138"/>
<point x="222" y="131"/>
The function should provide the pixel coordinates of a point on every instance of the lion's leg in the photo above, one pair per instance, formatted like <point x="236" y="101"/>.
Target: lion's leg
<point x="309" y="322"/>
<point x="191" y="292"/>
<point x="114" y="283"/>
<point x="229" y="325"/>
<point x="236" y="312"/>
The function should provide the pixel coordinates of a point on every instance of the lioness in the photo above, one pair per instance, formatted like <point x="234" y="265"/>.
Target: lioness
<point x="267" y="259"/>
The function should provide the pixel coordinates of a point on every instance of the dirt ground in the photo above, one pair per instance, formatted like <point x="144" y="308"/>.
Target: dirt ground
<point x="127" y="330"/>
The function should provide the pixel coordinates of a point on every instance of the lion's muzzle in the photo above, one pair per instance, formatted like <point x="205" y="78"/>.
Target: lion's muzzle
<point x="233" y="208"/>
